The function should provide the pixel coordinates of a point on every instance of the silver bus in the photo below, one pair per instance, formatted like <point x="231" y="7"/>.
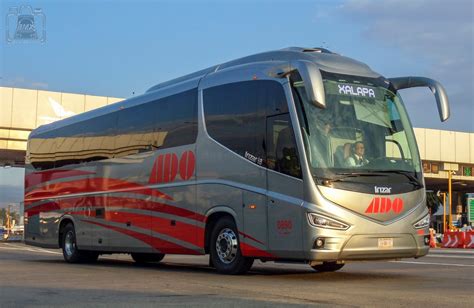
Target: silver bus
<point x="298" y="155"/>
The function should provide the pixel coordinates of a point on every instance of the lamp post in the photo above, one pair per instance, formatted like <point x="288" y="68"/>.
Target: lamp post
<point x="450" y="169"/>
<point x="450" y="173"/>
<point x="444" y="210"/>
<point x="450" y="197"/>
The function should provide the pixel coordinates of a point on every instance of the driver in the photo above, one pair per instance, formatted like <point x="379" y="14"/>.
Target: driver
<point x="357" y="158"/>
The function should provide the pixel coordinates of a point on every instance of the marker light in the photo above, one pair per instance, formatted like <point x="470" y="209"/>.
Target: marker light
<point x="423" y="223"/>
<point x="321" y="221"/>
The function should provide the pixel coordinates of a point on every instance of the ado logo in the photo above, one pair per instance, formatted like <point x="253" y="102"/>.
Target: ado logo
<point x="380" y="205"/>
<point x="284" y="226"/>
<point x="167" y="166"/>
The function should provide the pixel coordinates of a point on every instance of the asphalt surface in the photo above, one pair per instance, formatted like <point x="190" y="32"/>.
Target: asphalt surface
<point x="33" y="276"/>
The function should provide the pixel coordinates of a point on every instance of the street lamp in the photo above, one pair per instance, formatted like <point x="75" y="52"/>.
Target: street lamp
<point x="450" y="173"/>
<point x="444" y="209"/>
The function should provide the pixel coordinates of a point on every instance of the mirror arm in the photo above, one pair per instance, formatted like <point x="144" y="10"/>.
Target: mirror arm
<point x="435" y="87"/>
<point x="313" y="81"/>
<point x="311" y="77"/>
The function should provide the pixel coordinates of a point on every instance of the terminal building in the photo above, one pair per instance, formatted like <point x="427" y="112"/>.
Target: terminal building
<point x="442" y="152"/>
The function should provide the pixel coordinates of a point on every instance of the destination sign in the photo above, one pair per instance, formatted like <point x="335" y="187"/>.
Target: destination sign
<point x="347" y="89"/>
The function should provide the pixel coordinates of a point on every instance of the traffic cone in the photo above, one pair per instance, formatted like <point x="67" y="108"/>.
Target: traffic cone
<point x="432" y="239"/>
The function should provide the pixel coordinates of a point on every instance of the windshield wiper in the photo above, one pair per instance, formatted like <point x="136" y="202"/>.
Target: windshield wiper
<point x="345" y="175"/>
<point x="408" y="174"/>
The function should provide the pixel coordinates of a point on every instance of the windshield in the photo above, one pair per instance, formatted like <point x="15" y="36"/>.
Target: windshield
<point x="364" y="130"/>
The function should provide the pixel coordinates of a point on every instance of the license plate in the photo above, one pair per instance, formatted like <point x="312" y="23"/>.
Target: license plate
<point x="385" y="243"/>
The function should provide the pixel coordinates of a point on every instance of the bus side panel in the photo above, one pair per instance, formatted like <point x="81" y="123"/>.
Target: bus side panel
<point x="284" y="215"/>
<point x="227" y="180"/>
<point x="181" y="230"/>
<point x="41" y="228"/>
<point x="150" y="206"/>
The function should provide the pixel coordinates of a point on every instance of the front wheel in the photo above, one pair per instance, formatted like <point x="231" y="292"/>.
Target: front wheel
<point x="70" y="251"/>
<point x="327" y="267"/>
<point x="225" y="249"/>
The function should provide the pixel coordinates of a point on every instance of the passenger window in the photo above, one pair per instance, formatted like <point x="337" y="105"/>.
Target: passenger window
<point x="235" y="115"/>
<point x="166" y="122"/>
<point x="282" y="153"/>
<point x="163" y="123"/>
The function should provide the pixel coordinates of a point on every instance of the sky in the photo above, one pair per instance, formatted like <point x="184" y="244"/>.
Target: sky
<point x="121" y="48"/>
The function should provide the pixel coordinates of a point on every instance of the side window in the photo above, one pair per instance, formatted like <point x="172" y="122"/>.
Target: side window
<point x="135" y="130"/>
<point x="39" y="153"/>
<point x="89" y="140"/>
<point x="167" y="122"/>
<point x="282" y="153"/>
<point x="177" y="119"/>
<point x="235" y="116"/>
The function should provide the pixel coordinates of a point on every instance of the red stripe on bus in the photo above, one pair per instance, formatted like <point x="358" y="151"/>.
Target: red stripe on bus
<point x="40" y="177"/>
<point x="180" y="230"/>
<point x="45" y="207"/>
<point x="155" y="207"/>
<point x="91" y="185"/>
<point x="251" y="251"/>
<point x="79" y="213"/>
<point x="250" y="237"/>
<point x="159" y="244"/>
<point x="121" y="202"/>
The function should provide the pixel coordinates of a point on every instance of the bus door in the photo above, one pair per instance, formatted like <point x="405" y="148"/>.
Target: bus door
<point x="284" y="187"/>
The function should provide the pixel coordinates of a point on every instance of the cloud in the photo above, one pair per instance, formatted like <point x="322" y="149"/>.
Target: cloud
<point x="436" y="32"/>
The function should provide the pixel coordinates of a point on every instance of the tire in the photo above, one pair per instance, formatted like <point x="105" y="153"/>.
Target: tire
<point x="327" y="267"/>
<point x="143" y="258"/>
<point x="71" y="253"/>
<point x="225" y="252"/>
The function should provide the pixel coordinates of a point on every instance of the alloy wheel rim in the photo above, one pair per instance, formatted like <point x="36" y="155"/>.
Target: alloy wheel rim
<point x="70" y="243"/>
<point x="227" y="246"/>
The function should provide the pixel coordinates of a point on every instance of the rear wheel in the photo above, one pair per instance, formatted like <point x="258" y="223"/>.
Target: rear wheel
<point x="71" y="253"/>
<point x="327" y="267"/>
<point x="142" y="258"/>
<point x="225" y="251"/>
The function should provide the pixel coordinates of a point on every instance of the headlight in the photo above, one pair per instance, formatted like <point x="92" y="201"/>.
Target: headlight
<point x="321" y="221"/>
<point x="422" y="223"/>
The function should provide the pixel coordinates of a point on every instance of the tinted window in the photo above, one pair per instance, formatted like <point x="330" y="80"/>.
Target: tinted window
<point x="282" y="153"/>
<point x="235" y="115"/>
<point x="177" y="119"/>
<point x="90" y="140"/>
<point x="166" y="122"/>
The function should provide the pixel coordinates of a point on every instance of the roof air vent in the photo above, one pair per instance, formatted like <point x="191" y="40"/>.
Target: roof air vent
<point x="317" y="49"/>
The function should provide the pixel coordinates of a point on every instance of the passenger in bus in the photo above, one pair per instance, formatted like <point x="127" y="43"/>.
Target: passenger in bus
<point x="342" y="154"/>
<point x="323" y="143"/>
<point x="357" y="158"/>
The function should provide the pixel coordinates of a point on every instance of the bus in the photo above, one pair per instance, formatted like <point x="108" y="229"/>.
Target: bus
<point x="250" y="159"/>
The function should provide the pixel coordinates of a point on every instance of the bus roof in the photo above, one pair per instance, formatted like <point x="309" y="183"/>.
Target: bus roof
<point x="324" y="58"/>
<point x="321" y="56"/>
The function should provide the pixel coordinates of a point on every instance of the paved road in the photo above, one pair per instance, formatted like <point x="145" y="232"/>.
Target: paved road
<point x="39" y="277"/>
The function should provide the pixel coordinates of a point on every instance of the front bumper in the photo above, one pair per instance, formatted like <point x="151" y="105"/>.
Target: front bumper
<point x="365" y="247"/>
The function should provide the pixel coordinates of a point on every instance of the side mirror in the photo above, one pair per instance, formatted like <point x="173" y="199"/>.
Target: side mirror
<point x="435" y="87"/>
<point x="311" y="76"/>
<point x="313" y="81"/>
